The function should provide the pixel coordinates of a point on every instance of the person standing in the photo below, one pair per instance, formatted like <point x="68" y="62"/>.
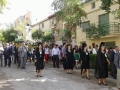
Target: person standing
<point x="9" y="54"/>
<point x="19" y="55"/>
<point x="80" y="52"/>
<point x="50" y="53"/>
<point x="55" y="54"/>
<point x="47" y="51"/>
<point x="85" y="61"/>
<point x="5" y="55"/>
<point x="114" y="70"/>
<point x="15" y="52"/>
<point x="1" y="54"/>
<point x="69" y="57"/>
<point x="39" y="60"/>
<point x="117" y="64"/>
<point x="94" y="51"/>
<point x="23" y="55"/>
<point x="76" y="56"/>
<point x="63" y="54"/>
<point x="60" y="57"/>
<point x="102" y="64"/>
<point x="90" y="50"/>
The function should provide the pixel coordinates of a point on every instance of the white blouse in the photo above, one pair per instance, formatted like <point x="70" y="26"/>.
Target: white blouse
<point x="46" y="50"/>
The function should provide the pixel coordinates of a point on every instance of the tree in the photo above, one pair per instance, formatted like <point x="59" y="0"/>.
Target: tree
<point x="36" y="35"/>
<point x="70" y="11"/>
<point x="2" y="5"/>
<point x="96" y="31"/>
<point x="9" y="34"/>
<point x="48" y="36"/>
<point x="1" y="35"/>
<point x="66" y="34"/>
<point x="106" y="6"/>
<point x="20" y="28"/>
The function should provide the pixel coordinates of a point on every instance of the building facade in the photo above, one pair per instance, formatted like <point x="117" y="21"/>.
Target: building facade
<point x="25" y="18"/>
<point x="51" y="24"/>
<point x="96" y="15"/>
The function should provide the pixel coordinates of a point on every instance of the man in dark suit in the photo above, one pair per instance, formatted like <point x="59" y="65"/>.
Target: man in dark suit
<point x="5" y="55"/>
<point x="114" y="71"/>
<point x="9" y="54"/>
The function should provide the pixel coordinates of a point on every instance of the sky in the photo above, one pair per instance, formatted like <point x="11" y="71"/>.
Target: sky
<point x="40" y="9"/>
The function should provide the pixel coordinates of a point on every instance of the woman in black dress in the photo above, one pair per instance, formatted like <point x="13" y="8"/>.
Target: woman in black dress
<point x="85" y="61"/>
<point x="102" y="63"/>
<point x="40" y="59"/>
<point x="69" y="60"/>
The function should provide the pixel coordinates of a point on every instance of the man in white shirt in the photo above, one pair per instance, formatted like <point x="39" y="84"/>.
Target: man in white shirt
<point x="1" y="54"/>
<point x="55" y="54"/>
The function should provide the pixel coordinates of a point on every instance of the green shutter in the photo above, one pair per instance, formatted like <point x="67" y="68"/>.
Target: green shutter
<point x="104" y="19"/>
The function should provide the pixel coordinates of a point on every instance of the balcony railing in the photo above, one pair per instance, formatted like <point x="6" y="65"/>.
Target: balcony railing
<point x="113" y="28"/>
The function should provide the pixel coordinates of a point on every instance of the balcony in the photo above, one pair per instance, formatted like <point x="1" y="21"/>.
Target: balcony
<point x="113" y="30"/>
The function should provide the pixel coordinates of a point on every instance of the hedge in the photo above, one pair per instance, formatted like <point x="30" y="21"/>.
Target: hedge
<point x="93" y="58"/>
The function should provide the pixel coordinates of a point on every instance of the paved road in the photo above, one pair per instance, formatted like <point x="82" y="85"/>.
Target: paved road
<point x="53" y="79"/>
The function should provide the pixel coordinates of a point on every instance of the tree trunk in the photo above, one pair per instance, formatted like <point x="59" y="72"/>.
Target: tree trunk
<point x="69" y="40"/>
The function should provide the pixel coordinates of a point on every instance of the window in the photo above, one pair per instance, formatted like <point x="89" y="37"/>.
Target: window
<point x="93" y="5"/>
<point x="110" y="44"/>
<point x="42" y="25"/>
<point x="85" y="25"/>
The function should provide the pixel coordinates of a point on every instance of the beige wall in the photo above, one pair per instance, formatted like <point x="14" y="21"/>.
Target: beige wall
<point x="93" y="17"/>
<point x="46" y="25"/>
<point x="59" y="26"/>
<point x="36" y="27"/>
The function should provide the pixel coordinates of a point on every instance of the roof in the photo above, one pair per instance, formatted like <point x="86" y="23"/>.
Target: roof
<point x="40" y="22"/>
<point x="19" y="18"/>
<point x="51" y="16"/>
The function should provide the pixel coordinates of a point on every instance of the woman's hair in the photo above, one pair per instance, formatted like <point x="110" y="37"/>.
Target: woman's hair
<point x="89" y="47"/>
<point x="76" y="47"/>
<point x="39" y="44"/>
<point x="84" y="45"/>
<point x="68" y="46"/>
<point x="102" y="44"/>
<point x="46" y="46"/>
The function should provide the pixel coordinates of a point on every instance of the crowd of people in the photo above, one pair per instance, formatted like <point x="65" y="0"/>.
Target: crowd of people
<point x="70" y="56"/>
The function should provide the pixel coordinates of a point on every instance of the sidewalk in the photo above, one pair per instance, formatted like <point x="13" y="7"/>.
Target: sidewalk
<point x="4" y="83"/>
<point x="91" y="73"/>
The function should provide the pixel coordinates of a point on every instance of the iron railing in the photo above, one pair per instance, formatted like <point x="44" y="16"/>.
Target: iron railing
<point x="112" y="28"/>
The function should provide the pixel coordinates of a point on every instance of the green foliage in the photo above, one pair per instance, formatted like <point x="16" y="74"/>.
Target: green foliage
<point x="106" y="6"/>
<point x="48" y="36"/>
<point x="96" y="31"/>
<point x="93" y="58"/>
<point x="1" y="35"/>
<point x="21" y="27"/>
<point x="2" y="5"/>
<point x="36" y="34"/>
<point x="9" y="34"/>
<point x="70" y="11"/>
<point x="66" y="35"/>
